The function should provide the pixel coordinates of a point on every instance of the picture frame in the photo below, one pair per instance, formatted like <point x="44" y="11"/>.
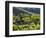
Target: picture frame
<point x="23" y="6"/>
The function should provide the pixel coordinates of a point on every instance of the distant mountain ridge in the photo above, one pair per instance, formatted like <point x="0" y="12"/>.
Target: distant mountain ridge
<point x="35" y="10"/>
<point x="16" y="11"/>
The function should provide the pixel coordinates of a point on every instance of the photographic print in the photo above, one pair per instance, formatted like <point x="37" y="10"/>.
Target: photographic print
<point x="24" y="18"/>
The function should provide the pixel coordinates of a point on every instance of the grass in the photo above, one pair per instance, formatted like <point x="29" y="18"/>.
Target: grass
<point x="26" y="27"/>
<point x="35" y="25"/>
